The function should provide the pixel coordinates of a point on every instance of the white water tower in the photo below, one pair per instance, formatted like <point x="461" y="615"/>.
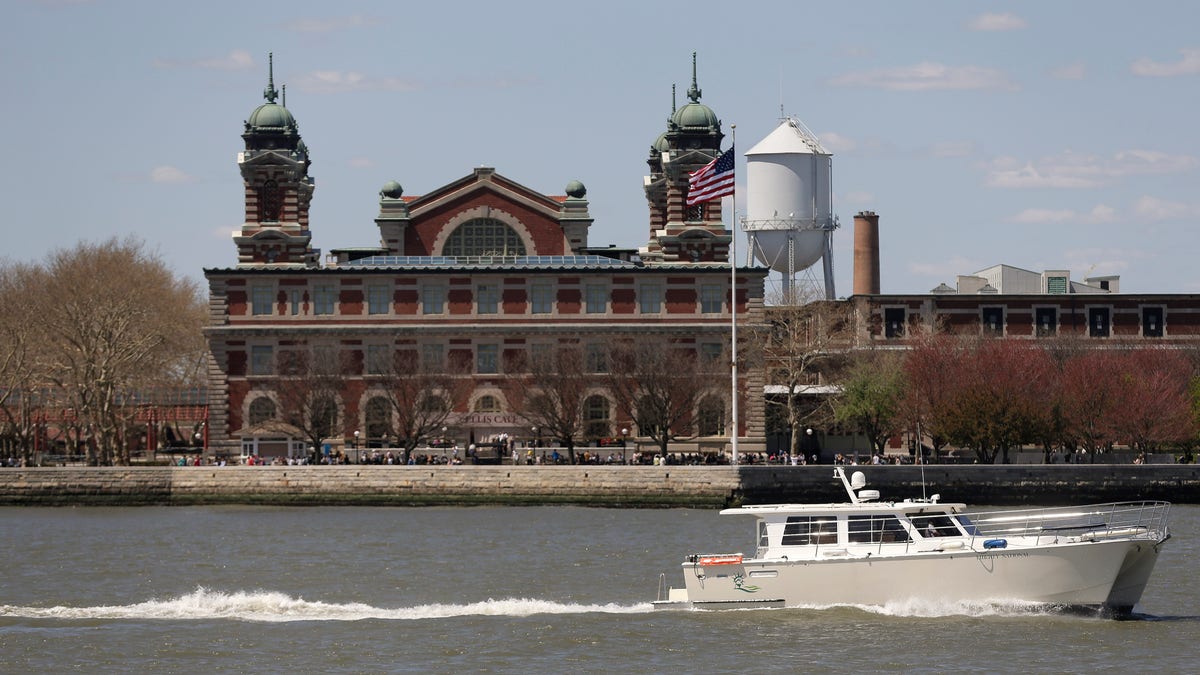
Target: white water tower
<point x="789" y="207"/>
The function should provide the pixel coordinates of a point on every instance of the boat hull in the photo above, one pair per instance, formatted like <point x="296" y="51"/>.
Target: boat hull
<point x="1102" y="574"/>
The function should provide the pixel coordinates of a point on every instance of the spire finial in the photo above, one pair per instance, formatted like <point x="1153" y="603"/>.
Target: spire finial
<point x="269" y="93"/>
<point x="672" y="98"/>
<point x="283" y="95"/>
<point x="694" y="92"/>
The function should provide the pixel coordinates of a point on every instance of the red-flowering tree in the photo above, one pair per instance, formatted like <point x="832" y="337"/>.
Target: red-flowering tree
<point x="1153" y="402"/>
<point x="992" y="395"/>
<point x="1089" y="396"/>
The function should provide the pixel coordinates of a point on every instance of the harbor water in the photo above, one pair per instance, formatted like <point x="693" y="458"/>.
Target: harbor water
<point x="496" y="590"/>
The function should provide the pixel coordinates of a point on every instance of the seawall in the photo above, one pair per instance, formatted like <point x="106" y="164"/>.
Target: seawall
<point x="616" y="486"/>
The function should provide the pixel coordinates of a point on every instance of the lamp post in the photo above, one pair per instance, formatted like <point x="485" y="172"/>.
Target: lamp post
<point x="535" y="436"/>
<point x="356" y="434"/>
<point x="624" y="434"/>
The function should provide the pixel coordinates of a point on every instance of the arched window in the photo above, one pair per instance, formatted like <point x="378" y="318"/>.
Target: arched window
<point x="710" y="419"/>
<point x="487" y="404"/>
<point x="595" y="417"/>
<point x="483" y="236"/>
<point x="261" y="410"/>
<point x="270" y="202"/>
<point x="378" y="420"/>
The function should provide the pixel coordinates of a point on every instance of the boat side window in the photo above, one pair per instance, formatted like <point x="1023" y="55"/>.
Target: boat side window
<point x="935" y="525"/>
<point x="875" y="529"/>
<point x="762" y="534"/>
<point x="808" y="530"/>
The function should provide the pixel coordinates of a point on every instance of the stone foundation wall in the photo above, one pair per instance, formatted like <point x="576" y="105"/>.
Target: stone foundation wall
<point x="617" y="486"/>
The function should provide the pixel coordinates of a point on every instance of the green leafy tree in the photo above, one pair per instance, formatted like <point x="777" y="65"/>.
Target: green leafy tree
<point x="871" y="398"/>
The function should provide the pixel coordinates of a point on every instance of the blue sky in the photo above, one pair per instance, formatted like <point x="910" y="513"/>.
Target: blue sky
<point x="1045" y="135"/>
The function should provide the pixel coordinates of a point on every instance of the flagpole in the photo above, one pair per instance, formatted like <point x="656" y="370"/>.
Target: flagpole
<point x="733" y="306"/>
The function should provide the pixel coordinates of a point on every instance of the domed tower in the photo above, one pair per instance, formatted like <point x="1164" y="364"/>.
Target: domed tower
<point x="278" y="189"/>
<point x="678" y="232"/>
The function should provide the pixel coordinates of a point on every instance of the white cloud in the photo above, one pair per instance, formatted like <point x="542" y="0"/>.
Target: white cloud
<point x="361" y="163"/>
<point x="336" y="81"/>
<point x="330" y="24"/>
<point x="1074" y="170"/>
<point x="1071" y="71"/>
<point x="928" y="76"/>
<point x="1099" y="214"/>
<point x="1188" y="64"/>
<point x="997" y="22"/>
<point x="835" y="142"/>
<point x="170" y="175"/>
<point x="238" y="59"/>
<point x="1159" y="210"/>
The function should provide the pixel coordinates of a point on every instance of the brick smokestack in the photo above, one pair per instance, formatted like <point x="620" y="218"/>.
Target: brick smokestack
<point x="866" y="253"/>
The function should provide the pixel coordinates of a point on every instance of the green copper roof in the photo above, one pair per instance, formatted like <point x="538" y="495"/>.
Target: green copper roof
<point x="271" y="116"/>
<point x="695" y="116"/>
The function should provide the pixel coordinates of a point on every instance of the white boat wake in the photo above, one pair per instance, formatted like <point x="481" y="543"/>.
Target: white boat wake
<point x="275" y="607"/>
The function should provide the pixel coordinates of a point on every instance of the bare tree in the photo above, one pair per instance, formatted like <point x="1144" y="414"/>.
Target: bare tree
<point x="112" y="319"/>
<point x="799" y="344"/>
<point x="20" y="397"/>
<point x="309" y="389"/>
<point x="420" y="396"/>
<point x="660" y="384"/>
<point x="552" y="395"/>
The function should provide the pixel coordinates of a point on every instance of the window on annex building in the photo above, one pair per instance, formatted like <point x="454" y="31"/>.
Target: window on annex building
<point x="650" y="298"/>
<point x="893" y="322"/>
<point x="541" y="298"/>
<point x="261" y="410"/>
<point x="378" y="359"/>
<point x="487" y="361"/>
<point x="433" y="358"/>
<point x="433" y="299"/>
<point x="378" y="297"/>
<point x="1046" y="320"/>
<point x="378" y="418"/>
<point x="262" y="360"/>
<point x="711" y="352"/>
<point x="596" y="358"/>
<point x="710" y="418"/>
<point x="261" y="299"/>
<point x="596" y="297"/>
<point x="324" y="297"/>
<point x="487" y="404"/>
<point x="993" y="321"/>
<point x="1152" y="322"/>
<point x="712" y="298"/>
<point x="1099" y="324"/>
<point x="487" y="298"/>
<point x="483" y="237"/>
<point x="596" y="417"/>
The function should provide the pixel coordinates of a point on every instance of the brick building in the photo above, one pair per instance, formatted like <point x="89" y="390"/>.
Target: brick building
<point x="480" y="273"/>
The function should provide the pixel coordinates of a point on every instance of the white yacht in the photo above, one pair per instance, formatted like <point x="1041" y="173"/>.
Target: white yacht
<point x="872" y="552"/>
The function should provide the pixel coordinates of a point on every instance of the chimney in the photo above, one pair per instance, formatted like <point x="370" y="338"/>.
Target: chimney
<point x="866" y="253"/>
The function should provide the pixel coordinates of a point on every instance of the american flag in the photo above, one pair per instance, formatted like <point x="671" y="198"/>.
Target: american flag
<point x="713" y="181"/>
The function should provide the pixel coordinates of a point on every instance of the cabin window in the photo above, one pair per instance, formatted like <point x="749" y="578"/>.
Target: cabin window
<point x="809" y="530"/>
<point x="876" y="529"/>
<point x="935" y="525"/>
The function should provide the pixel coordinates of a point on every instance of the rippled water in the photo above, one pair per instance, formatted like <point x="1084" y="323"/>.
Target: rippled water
<point x="539" y="589"/>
